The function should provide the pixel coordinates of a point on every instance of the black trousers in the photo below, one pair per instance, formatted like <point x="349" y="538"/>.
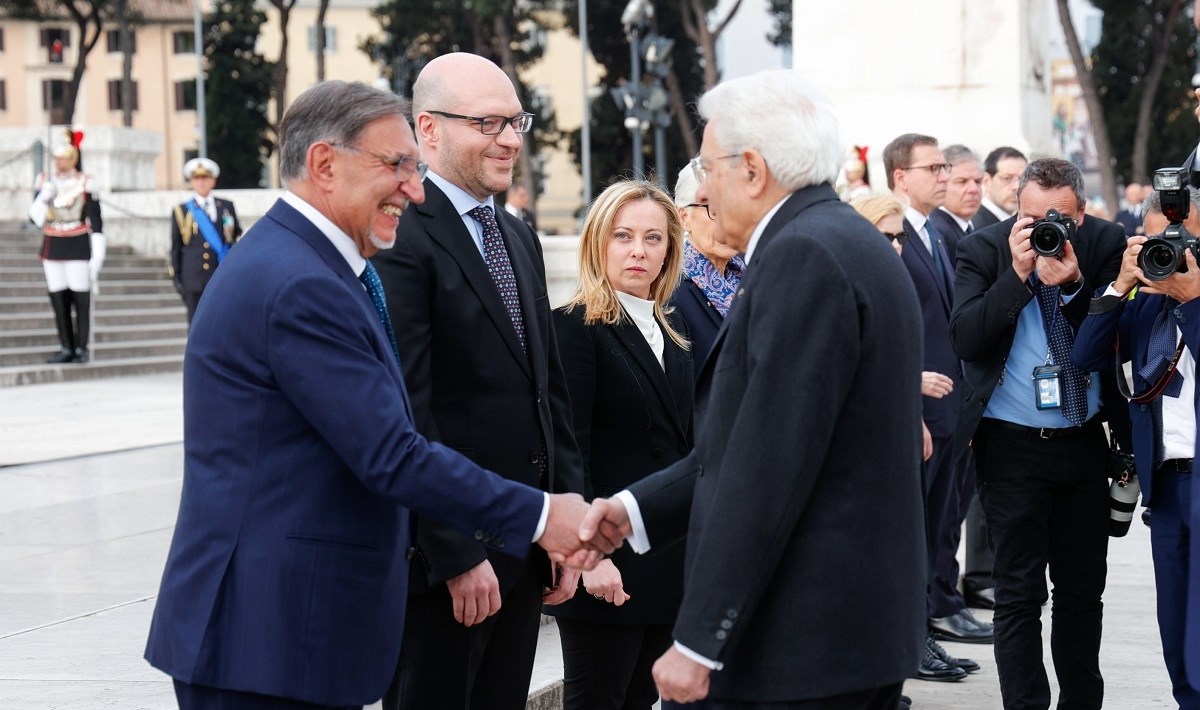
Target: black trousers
<point x="202" y="697"/>
<point x="448" y="666"/>
<point x="1046" y="503"/>
<point x="980" y="557"/>
<point x="944" y="512"/>
<point x="607" y="666"/>
<point x="1171" y="546"/>
<point x="884" y="698"/>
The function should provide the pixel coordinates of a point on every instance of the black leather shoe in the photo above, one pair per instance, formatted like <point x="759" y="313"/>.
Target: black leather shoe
<point x="964" y="663"/>
<point x="981" y="598"/>
<point x="64" y="355"/>
<point x="1146" y="517"/>
<point x="962" y="627"/>
<point x="905" y="703"/>
<point x="82" y="355"/>
<point x="935" y="669"/>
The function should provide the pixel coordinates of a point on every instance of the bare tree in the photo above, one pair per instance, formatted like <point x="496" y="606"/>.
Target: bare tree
<point x="320" y="31"/>
<point x="695" y="24"/>
<point x="1091" y="99"/>
<point x="1160" y="50"/>
<point x="280" y="75"/>
<point x="121" y="10"/>
<point x="88" y="18"/>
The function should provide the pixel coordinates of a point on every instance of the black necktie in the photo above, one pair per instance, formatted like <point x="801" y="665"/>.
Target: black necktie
<point x="370" y="279"/>
<point x="1060" y="338"/>
<point x="500" y="267"/>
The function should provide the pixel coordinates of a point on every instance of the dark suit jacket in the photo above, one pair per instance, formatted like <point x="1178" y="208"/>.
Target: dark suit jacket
<point x="192" y="259"/>
<point x="936" y="298"/>
<point x="632" y="417"/>
<point x="287" y="574"/>
<point x="984" y="218"/>
<point x="703" y="321"/>
<point x="1094" y="349"/>
<point x="948" y="228"/>
<point x="989" y="298"/>
<point x="805" y="504"/>
<point x="472" y="387"/>
<point x="1130" y="222"/>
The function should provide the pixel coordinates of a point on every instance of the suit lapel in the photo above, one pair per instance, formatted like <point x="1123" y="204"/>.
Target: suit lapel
<point x="923" y="257"/>
<point x="633" y="340"/>
<point x="525" y="271"/>
<point x="445" y="226"/>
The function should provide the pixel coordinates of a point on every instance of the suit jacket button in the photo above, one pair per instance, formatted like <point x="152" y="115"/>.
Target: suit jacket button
<point x="479" y="535"/>
<point x="205" y="266"/>
<point x="726" y="624"/>
<point x="722" y="635"/>
<point x="700" y="469"/>
<point x="1142" y="407"/>
<point x="411" y="553"/>
<point x="731" y="613"/>
<point x="500" y="544"/>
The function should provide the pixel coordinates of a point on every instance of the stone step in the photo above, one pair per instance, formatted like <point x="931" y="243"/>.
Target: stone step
<point x="101" y="351"/>
<point x="38" y="374"/>
<point x="107" y="301"/>
<point x="120" y="287"/>
<point x="104" y="317"/>
<point x="116" y="272"/>
<point x="31" y="260"/>
<point x="48" y="337"/>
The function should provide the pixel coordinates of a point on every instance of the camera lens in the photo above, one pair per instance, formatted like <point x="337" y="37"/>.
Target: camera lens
<point x="1048" y="238"/>
<point x="1158" y="259"/>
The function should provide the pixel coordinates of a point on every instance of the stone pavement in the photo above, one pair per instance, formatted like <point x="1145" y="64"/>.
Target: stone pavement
<point x="84" y="534"/>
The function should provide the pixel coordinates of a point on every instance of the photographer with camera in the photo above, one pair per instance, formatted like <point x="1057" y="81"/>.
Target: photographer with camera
<point x="1032" y="418"/>
<point x="1158" y="329"/>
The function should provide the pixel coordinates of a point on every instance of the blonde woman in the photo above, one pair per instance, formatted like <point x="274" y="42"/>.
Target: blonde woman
<point x="629" y="374"/>
<point x="887" y="214"/>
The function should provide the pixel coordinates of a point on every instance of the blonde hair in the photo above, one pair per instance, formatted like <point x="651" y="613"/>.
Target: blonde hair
<point x="876" y="207"/>
<point x="595" y="294"/>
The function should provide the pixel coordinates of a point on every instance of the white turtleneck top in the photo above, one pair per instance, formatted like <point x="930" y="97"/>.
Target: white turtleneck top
<point x="641" y="312"/>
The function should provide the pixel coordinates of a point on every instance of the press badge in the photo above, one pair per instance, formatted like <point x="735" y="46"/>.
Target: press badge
<point x="1047" y="386"/>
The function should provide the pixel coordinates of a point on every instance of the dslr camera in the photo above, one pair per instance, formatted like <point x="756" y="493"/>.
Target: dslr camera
<point x="1050" y="234"/>
<point x="1163" y="254"/>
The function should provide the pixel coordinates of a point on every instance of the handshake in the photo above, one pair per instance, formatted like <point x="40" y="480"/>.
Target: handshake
<point x="578" y="535"/>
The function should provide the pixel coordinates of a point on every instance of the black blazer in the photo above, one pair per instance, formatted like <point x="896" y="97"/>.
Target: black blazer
<point x="192" y="259"/>
<point x="1131" y="223"/>
<point x="632" y="417"/>
<point x="472" y="386"/>
<point x="984" y="218"/>
<point x="989" y="298"/>
<point x="703" y="321"/>
<point x="940" y="415"/>
<point x="801" y="504"/>
<point x="949" y="230"/>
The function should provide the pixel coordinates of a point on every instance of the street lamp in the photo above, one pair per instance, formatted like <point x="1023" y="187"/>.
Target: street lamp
<point x="645" y="104"/>
<point x="637" y="13"/>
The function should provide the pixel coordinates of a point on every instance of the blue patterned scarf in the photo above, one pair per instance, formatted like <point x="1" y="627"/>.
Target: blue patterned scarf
<point x="718" y="288"/>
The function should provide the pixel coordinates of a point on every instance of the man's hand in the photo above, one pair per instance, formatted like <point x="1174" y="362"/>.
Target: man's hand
<point x="936" y="385"/>
<point x="1061" y="269"/>
<point x="1130" y="275"/>
<point x="679" y="678"/>
<point x="926" y="443"/>
<point x="475" y="594"/>
<point x="1182" y="287"/>
<point x="605" y="583"/>
<point x="568" y="582"/>
<point x="561" y="538"/>
<point x="606" y="524"/>
<point x="1023" y="255"/>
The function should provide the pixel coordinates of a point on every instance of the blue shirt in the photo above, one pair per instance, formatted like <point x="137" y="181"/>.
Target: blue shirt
<point x="463" y="203"/>
<point x="1013" y="399"/>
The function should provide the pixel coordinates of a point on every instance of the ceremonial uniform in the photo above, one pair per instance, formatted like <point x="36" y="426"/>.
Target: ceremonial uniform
<point x="202" y="231"/>
<point x="67" y="209"/>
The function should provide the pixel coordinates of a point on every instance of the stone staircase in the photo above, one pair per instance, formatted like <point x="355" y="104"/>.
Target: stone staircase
<point x="139" y="326"/>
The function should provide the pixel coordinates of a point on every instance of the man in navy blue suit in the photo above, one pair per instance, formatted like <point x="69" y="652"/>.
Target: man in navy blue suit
<point x="1164" y="428"/>
<point x="286" y="580"/>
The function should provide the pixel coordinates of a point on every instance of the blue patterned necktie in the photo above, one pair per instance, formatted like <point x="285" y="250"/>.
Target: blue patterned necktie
<point x="936" y="252"/>
<point x="1060" y="338"/>
<point x="500" y="267"/>
<point x="370" y="279"/>
<point x="1161" y="350"/>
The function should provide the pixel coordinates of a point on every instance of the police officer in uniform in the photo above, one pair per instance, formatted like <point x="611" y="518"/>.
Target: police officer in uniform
<point x="67" y="209"/>
<point x="202" y="231"/>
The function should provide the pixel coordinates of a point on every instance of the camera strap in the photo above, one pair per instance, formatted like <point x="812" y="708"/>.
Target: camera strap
<point x="1154" y="390"/>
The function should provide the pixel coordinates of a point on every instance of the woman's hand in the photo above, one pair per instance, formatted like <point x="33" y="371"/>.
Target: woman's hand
<point x="605" y="584"/>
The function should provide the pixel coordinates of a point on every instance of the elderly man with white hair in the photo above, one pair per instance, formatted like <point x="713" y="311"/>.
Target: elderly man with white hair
<point x="801" y="502"/>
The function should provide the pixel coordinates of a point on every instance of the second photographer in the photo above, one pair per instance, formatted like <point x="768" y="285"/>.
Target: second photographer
<point x="1158" y="329"/>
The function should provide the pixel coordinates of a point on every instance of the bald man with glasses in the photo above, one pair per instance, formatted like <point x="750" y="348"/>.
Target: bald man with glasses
<point x="466" y="289"/>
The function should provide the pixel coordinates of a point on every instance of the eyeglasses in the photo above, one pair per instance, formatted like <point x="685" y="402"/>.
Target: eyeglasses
<point x="898" y="237"/>
<point x="704" y="206"/>
<point x="934" y="169"/>
<point x="405" y="166"/>
<point x="494" y="125"/>
<point x="700" y="165"/>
